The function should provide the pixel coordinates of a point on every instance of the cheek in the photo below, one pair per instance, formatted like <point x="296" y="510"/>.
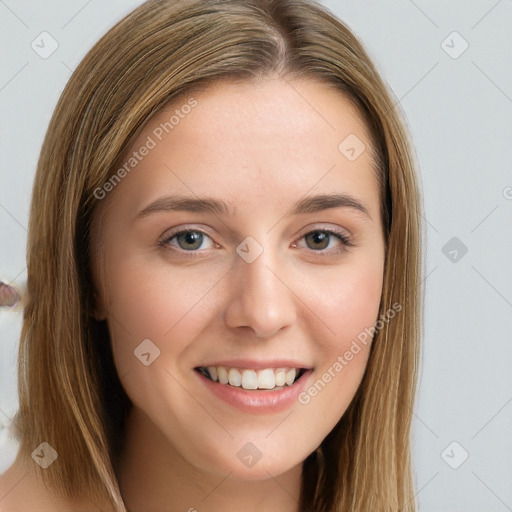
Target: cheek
<point x="348" y="305"/>
<point x="153" y="301"/>
<point x="347" y="299"/>
<point x="358" y="294"/>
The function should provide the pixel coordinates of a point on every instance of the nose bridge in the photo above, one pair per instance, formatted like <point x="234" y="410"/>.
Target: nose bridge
<point x="259" y="298"/>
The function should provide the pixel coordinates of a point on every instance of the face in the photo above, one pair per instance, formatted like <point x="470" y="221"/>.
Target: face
<point x="244" y="245"/>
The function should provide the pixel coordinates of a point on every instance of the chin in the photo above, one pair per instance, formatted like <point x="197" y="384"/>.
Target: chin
<point x="247" y="463"/>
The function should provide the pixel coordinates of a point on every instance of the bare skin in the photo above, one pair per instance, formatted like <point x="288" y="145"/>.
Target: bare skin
<point x="261" y="147"/>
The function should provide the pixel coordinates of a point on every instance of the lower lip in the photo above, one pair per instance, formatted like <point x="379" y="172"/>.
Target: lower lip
<point x="257" y="401"/>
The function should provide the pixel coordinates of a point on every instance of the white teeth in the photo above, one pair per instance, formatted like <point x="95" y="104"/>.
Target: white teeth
<point x="222" y="374"/>
<point x="250" y="380"/>
<point x="235" y="379"/>
<point x="268" y="378"/>
<point x="280" y="377"/>
<point x="212" y="370"/>
<point x="290" y="376"/>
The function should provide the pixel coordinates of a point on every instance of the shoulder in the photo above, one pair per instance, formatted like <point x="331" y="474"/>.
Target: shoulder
<point x="22" y="491"/>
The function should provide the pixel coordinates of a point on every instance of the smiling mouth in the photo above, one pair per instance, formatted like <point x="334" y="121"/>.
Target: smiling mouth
<point x="270" y="379"/>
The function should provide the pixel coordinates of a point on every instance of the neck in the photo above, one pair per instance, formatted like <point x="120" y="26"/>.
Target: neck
<point x="153" y="477"/>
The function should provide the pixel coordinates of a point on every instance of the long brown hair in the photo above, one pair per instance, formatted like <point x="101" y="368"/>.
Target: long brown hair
<point x="70" y="395"/>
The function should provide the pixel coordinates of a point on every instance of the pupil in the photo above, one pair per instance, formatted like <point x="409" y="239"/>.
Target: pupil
<point x="192" y="240"/>
<point x="320" y="239"/>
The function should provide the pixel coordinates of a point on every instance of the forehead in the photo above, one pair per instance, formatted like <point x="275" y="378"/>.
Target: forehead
<point x="271" y="111"/>
<point x="269" y="138"/>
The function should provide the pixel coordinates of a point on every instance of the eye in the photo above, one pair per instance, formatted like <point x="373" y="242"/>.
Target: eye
<point x="190" y="240"/>
<point x="321" y="239"/>
<point x="196" y="240"/>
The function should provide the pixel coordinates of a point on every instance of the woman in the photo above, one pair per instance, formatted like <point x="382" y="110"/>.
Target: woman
<point x="223" y="302"/>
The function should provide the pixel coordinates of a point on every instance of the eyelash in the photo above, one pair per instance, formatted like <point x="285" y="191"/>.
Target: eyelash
<point x="345" y="240"/>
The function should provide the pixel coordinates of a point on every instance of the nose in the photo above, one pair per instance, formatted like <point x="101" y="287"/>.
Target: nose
<point x="261" y="298"/>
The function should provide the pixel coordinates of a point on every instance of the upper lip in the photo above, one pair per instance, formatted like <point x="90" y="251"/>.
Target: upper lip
<point x="257" y="364"/>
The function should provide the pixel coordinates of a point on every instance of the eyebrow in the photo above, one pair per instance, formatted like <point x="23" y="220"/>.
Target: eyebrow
<point x="309" y="204"/>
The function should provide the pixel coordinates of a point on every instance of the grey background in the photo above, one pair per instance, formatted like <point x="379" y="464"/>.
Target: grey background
<point x="458" y="111"/>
